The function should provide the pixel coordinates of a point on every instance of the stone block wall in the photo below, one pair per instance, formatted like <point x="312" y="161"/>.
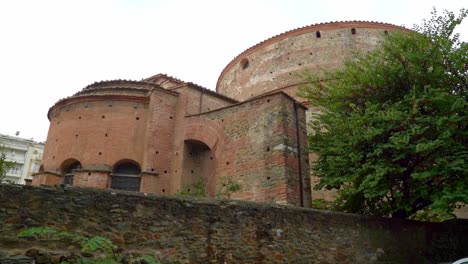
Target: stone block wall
<point x="211" y="231"/>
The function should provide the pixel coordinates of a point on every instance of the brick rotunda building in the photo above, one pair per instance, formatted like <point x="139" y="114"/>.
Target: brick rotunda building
<point x="161" y="135"/>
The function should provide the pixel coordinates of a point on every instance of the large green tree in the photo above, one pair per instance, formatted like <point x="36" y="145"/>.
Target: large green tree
<point x="391" y="134"/>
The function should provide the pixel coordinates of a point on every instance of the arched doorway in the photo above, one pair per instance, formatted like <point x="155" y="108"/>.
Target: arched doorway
<point x="68" y="169"/>
<point x="126" y="175"/>
<point x="198" y="169"/>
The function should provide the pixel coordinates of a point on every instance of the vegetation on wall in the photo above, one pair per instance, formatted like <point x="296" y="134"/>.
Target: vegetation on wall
<point x="226" y="187"/>
<point x="392" y="132"/>
<point x="97" y="249"/>
<point x="196" y="189"/>
<point x="5" y="165"/>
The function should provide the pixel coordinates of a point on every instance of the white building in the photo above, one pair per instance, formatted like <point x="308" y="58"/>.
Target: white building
<point x="27" y="155"/>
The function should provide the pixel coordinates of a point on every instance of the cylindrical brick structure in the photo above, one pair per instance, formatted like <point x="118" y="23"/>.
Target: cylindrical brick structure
<point x="95" y="125"/>
<point x="277" y="63"/>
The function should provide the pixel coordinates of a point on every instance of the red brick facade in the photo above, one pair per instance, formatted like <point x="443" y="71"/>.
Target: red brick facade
<point x="176" y="136"/>
<point x="162" y="135"/>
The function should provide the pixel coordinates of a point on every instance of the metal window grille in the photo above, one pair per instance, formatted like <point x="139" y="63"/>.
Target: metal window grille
<point x="126" y="183"/>
<point x="126" y="177"/>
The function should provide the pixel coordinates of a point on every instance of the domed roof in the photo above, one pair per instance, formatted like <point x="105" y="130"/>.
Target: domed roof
<point x="304" y="30"/>
<point x="104" y="87"/>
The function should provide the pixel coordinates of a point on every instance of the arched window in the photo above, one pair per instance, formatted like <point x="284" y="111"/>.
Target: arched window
<point x="126" y="176"/>
<point x="69" y="172"/>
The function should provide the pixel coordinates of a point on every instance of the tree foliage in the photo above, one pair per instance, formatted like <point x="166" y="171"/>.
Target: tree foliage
<point x="391" y="134"/>
<point x="5" y="165"/>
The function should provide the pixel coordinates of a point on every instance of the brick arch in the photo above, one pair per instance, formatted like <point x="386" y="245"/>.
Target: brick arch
<point x="64" y="166"/>
<point x="200" y="131"/>
<point x="126" y="175"/>
<point x="67" y="170"/>
<point x="122" y="161"/>
<point x="207" y="131"/>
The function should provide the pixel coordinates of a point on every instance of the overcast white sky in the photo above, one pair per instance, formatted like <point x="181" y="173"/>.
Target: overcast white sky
<point x="52" y="49"/>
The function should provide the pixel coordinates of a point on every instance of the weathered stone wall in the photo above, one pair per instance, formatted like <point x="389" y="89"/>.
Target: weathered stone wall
<point x="197" y="231"/>
<point x="254" y="143"/>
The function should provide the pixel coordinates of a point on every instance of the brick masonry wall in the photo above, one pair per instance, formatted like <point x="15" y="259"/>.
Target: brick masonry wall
<point x="159" y="138"/>
<point x="96" y="132"/>
<point x="212" y="231"/>
<point x="96" y="179"/>
<point x="278" y="62"/>
<point x="188" y="103"/>
<point x="254" y="144"/>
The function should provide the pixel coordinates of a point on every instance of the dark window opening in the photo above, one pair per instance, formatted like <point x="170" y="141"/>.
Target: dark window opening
<point x="317" y="34"/>
<point x="69" y="173"/>
<point x="126" y="176"/>
<point x="244" y="63"/>
<point x="353" y="31"/>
